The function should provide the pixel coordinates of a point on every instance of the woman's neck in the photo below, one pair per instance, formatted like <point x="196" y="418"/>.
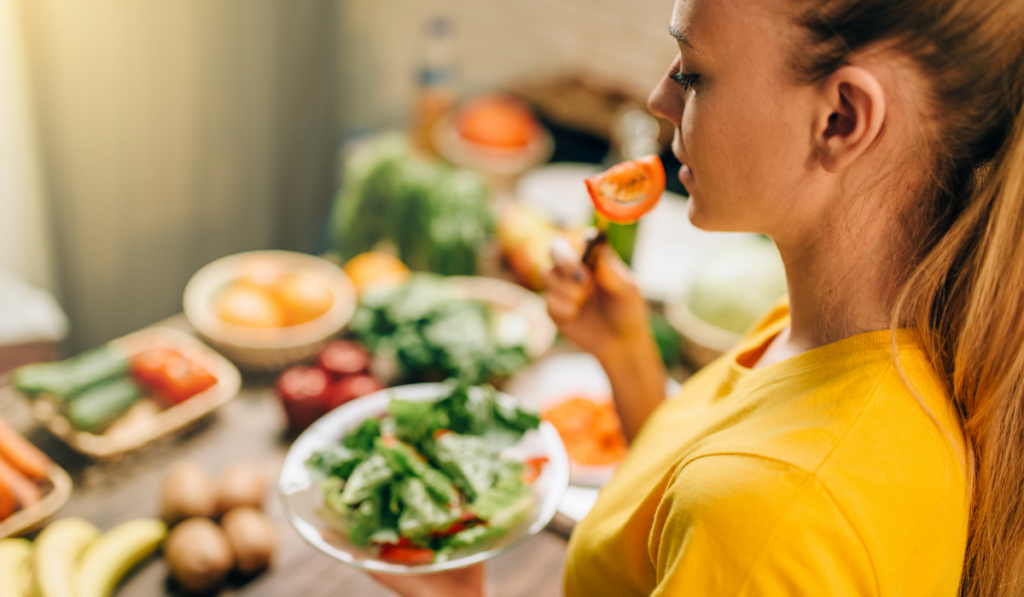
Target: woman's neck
<point x="840" y="283"/>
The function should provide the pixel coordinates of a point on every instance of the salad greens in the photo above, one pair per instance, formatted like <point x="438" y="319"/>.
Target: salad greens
<point x="429" y="475"/>
<point x="433" y="335"/>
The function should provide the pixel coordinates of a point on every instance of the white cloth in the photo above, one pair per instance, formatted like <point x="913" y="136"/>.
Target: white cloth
<point x="28" y="314"/>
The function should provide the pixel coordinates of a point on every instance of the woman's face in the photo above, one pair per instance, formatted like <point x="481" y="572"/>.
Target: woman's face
<point x="742" y="122"/>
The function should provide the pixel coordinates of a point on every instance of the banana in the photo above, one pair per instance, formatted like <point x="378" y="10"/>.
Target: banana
<point x="15" y="568"/>
<point x="58" y="549"/>
<point x="116" y="552"/>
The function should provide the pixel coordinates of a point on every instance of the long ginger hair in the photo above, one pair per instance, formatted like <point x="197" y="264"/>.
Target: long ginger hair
<point x="964" y="283"/>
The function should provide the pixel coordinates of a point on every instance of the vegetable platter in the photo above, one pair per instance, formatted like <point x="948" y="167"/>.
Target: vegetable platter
<point x="32" y="487"/>
<point x="496" y="496"/>
<point x="157" y="410"/>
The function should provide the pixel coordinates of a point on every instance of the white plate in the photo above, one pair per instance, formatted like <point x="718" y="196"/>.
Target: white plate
<point x="554" y="379"/>
<point x="300" y="492"/>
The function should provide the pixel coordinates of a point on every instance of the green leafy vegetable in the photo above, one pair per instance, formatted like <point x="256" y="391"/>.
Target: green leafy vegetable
<point x="421" y="513"/>
<point x="432" y="334"/>
<point x="426" y="466"/>
<point x="467" y="460"/>
<point x="363" y="438"/>
<point x="336" y="461"/>
<point x="437" y="216"/>
<point x="370" y="475"/>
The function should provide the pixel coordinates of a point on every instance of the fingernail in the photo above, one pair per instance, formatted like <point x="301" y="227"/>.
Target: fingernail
<point x="562" y="252"/>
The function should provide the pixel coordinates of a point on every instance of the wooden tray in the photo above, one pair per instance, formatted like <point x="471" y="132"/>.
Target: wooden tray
<point x="29" y="519"/>
<point x="146" y="422"/>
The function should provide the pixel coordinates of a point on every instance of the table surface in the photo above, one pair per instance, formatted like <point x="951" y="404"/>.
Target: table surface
<point x="249" y="428"/>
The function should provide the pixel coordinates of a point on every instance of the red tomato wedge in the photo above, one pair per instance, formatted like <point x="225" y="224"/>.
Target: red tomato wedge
<point x="401" y="554"/>
<point x="534" y="466"/>
<point x="627" y="191"/>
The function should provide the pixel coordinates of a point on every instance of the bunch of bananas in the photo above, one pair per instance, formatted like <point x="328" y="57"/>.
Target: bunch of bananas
<point x="71" y="558"/>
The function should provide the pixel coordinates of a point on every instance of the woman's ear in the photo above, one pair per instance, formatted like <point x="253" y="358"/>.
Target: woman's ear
<point x="850" y="119"/>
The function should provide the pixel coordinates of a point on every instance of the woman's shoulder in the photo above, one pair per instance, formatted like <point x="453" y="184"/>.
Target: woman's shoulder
<point x="863" y="470"/>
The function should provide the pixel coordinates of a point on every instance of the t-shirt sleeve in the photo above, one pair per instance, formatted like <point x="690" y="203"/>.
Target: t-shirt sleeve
<point x="744" y="525"/>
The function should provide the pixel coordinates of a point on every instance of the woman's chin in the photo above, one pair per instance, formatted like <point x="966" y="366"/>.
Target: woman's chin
<point x="703" y="218"/>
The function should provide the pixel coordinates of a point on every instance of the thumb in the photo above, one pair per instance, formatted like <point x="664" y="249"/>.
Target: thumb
<point x="612" y="274"/>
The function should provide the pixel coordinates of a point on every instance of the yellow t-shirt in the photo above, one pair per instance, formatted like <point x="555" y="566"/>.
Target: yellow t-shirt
<point x="817" y="475"/>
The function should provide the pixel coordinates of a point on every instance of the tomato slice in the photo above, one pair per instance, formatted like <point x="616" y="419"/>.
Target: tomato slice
<point x="626" y="191"/>
<point x="173" y="376"/>
<point x="402" y="554"/>
<point x="184" y="379"/>
<point x="534" y="466"/>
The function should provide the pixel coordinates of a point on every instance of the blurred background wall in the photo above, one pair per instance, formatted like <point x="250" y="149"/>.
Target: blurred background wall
<point x="25" y="248"/>
<point x="172" y="132"/>
<point x="622" y="43"/>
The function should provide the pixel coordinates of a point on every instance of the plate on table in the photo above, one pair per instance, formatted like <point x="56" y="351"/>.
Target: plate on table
<point x="544" y="385"/>
<point x="302" y="496"/>
<point x="514" y="306"/>
<point x="552" y="381"/>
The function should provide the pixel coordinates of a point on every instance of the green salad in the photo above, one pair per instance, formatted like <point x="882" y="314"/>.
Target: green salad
<point x="428" y="478"/>
<point x="430" y="334"/>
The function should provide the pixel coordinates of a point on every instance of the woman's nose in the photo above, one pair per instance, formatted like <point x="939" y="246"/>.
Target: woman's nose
<point x="665" y="100"/>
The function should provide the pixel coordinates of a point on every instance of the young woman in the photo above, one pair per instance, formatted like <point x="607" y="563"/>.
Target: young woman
<point x="867" y="438"/>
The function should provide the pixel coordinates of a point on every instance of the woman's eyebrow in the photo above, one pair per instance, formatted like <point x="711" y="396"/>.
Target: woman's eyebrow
<point x="679" y="35"/>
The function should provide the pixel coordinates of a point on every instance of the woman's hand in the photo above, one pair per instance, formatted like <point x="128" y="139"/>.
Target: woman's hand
<point x="604" y="313"/>
<point x="464" y="582"/>
<point x="601" y="311"/>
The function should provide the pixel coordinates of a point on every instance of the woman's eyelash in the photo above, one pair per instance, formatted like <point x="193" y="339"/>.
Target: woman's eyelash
<point x="684" y="80"/>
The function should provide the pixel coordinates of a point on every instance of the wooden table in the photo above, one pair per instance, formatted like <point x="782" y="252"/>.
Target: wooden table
<point x="250" y="428"/>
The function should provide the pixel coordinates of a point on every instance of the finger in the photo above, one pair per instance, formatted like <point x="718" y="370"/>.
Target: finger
<point x="560" y="309"/>
<point x="559" y="280"/>
<point x="612" y="274"/>
<point x="572" y="292"/>
<point x="567" y="261"/>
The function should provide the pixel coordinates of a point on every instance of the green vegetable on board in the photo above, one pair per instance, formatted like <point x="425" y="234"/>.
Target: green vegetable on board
<point x="66" y="379"/>
<point x="97" y="407"/>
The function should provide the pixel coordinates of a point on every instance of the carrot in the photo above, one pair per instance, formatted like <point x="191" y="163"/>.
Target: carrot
<point x="27" y="493"/>
<point x="21" y="454"/>
<point x="8" y="503"/>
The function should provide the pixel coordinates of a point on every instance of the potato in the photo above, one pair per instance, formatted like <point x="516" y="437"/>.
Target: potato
<point x="199" y="555"/>
<point x="187" y="491"/>
<point x="251" y="537"/>
<point x="242" y="484"/>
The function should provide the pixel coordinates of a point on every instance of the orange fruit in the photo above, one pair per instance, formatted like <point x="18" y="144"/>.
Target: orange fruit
<point x="303" y="298"/>
<point x="249" y="305"/>
<point x="376" y="268"/>
<point x="264" y="272"/>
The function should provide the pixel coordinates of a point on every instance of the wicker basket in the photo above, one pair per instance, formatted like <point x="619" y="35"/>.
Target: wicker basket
<point x="146" y="423"/>
<point x="256" y="349"/>
<point x="58" y="490"/>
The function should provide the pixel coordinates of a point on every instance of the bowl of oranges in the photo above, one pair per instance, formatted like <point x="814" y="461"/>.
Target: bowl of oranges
<point x="266" y="310"/>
